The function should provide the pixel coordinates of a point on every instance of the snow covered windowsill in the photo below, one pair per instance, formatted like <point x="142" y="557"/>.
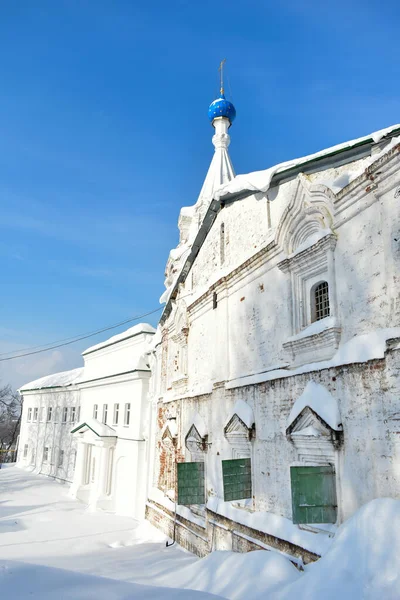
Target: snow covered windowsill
<point x="319" y="341"/>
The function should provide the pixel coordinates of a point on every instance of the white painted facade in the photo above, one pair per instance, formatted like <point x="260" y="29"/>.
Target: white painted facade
<point x="242" y="312"/>
<point x="51" y="408"/>
<point x="112" y="465"/>
<point x="102" y="446"/>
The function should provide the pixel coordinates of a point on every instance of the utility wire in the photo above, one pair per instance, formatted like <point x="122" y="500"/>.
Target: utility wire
<point x="77" y="338"/>
<point x="81" y="337"/>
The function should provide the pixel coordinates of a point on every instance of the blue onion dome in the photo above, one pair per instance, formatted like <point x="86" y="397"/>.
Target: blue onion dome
<point x="221" y="108"/>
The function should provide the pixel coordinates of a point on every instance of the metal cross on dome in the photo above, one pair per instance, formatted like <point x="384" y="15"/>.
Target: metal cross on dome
<point x="221" y="70"/>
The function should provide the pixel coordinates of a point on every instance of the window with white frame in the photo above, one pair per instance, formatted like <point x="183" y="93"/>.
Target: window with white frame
<point x="116" y="414"/>
<point x="49" y="413"/>
<point x="127" y="416"/>
<point x="78" y="413"/>
<point x="95" y="410"/>
<point x="46" y="454"/>
<point x="35" y="414"/>
<point x="73" y="413"/>
<point x="65" y="414"/>
<point x="60" y="458"/>
<point x="29" y="417"/>
<point x="311" y="286"/>
<point x="105" y="413"/>
<point x="42" y="413"/>
<point x="25" y="450"/>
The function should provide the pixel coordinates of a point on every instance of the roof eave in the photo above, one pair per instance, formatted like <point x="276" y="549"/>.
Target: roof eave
<point x="357" y="151"/>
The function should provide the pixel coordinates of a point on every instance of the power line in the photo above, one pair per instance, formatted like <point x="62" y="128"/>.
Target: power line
<point x="74" y="337"/>
<point x="69" y="341"/>
<point x="77" y="338"/>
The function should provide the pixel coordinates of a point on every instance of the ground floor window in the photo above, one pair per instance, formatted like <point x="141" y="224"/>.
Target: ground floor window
<point x="313" y="494"/>
<point x="46" y="454"/>
<point x="236" y="476"/>
<point x="191" y="483"/>
<point x="25" y="450"/>
<point x="60" y="458"/>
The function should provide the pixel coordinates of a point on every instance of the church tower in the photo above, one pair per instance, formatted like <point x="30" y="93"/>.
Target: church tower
<point x="221" y="114"/>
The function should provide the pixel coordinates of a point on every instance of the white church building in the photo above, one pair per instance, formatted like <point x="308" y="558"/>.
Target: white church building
<point x="89" y="426"/>
<point x="265" y="410"/>
<point x="276" y="373"/>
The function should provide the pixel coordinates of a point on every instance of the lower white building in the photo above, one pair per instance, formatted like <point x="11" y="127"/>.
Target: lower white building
<point x="51" y="407"/>
<point x="89" y="426"/>
<point x="111" y="467"/>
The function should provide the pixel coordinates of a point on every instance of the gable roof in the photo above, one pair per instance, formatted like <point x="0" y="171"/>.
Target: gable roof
<point x="129" y="333"/>
<point x="243" y="186"/>
<point x="99" y="429"/>
<point x="57" y="380"/>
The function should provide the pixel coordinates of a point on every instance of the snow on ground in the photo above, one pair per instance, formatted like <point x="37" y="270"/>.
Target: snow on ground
<point x="363" y="563"/>
<point x="52" y="547"/>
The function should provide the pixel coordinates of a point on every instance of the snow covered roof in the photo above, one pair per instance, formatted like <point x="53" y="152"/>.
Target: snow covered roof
<point x="316" y="397"/>
<point x="260" y="181"/>
<point x="242" y="186"/>
<point x="63" y="379"/>
<point x="172" y="427"/>
<point x="244" y="412"/>
<point x="100" y="429"/>
<point x="131" y="332"/>
<point x="199" y="423"/>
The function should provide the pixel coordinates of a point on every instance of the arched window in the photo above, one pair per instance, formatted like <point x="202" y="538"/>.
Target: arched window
<point x="320" y="301"/>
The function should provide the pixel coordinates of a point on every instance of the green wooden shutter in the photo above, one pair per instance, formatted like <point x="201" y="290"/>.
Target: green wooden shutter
<point x="313" y="494"/>
<point x="236" y="475"/>
<point x="191" y="489"/>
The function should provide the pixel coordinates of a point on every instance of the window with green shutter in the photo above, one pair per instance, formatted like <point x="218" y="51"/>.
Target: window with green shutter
<point x="236" y="475"/>
<point x="191" y="488"/>
<point x="313" y="494"/>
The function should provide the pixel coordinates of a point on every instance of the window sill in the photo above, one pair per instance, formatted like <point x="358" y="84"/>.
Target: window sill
<point x="315" y="343"/>
<point x="326" y="528"/>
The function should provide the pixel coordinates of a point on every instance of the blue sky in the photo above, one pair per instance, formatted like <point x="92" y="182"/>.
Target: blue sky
<point x="104" y="136"/>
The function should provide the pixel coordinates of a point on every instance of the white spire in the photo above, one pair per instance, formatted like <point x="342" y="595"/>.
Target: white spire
<point x="221" y="169"/>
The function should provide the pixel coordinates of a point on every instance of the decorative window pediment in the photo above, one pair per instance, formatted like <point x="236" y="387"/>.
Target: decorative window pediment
<point x="169" y="432"/>
<point x="240" y="430"/>
<point x="314" y="425"/>
<point x="236" y="429"/>
<point x="310" y="425"/>
<point x="305" y="234"/>
<point x="194" y="442"/>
